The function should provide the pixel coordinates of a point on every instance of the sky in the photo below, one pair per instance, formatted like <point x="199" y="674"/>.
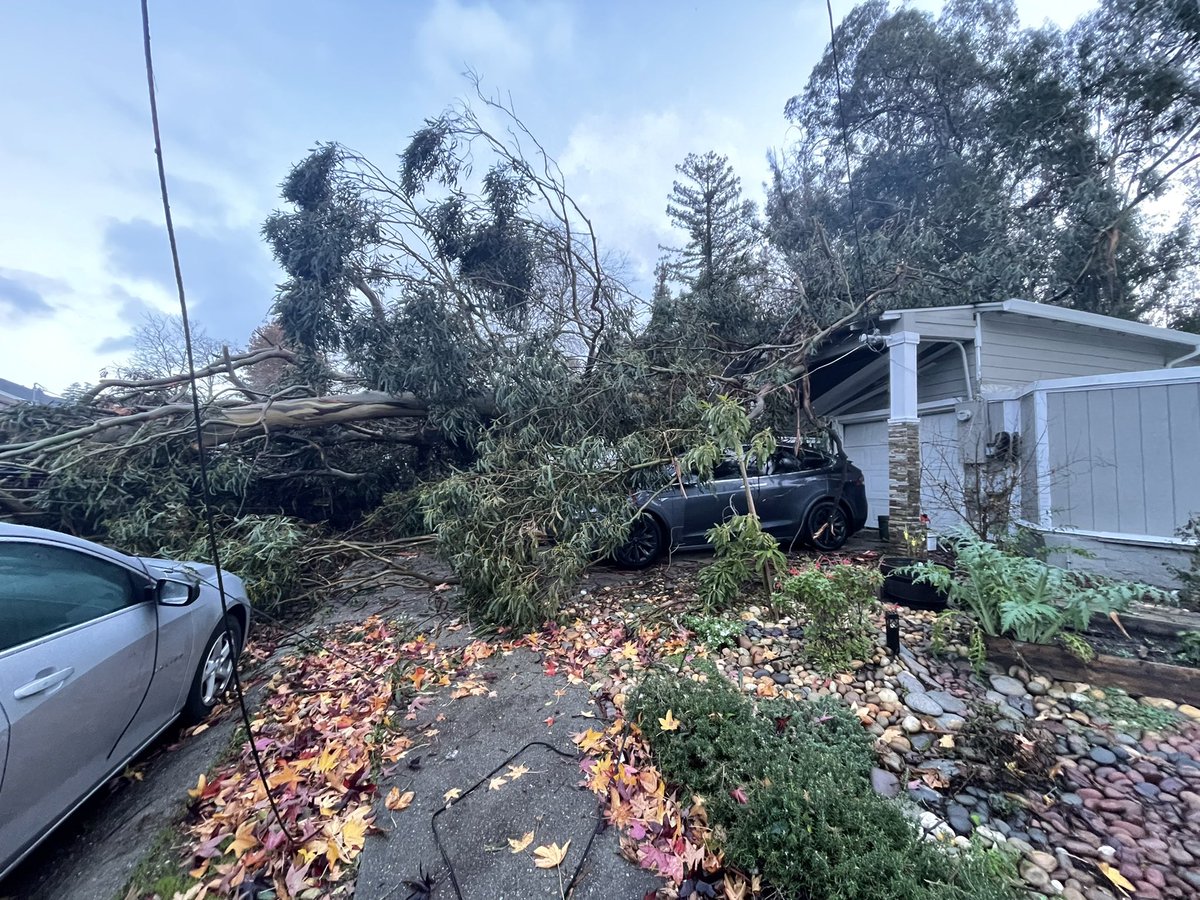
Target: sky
<point x="619" y="92"/>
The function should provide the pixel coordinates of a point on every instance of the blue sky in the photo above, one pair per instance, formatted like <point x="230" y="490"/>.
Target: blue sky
<point x="618" y="91"/>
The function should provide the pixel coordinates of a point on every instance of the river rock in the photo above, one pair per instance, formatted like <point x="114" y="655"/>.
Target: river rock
<point x="1007" y="685"/>
<point x="920" y="702"/>
<point x="885" y="783"/>
<point x="948" y="702"/>
<point x="1103" y="756"/>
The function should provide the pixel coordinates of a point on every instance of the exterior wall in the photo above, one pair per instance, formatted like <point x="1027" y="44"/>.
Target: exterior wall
<point x="942" y="378"/>
<point x="1125" y="459"/>
<point x="904" y="469"/>
<point x="1017" y="350"/>
<point x="1124" y="560"/>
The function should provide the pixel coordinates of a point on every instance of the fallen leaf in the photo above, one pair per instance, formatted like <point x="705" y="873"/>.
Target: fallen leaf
<point x="1113" y="874"/>
<point x="451" y="795"/>
<point x="515" y="772"/>
<point x="946" y="742"/>
<point x="200" y="786"/>
<point x="519" y="844"/>
<point x="396" y="801"/>
<point x="669" y="722"/>
<point x="735" y="890"/>
<point x="243" y="839"/>
<point x="739" y="795"/>
<point x="496" y="783"/>
<point x="550" y="857"/>
<point x="549" y="721"/>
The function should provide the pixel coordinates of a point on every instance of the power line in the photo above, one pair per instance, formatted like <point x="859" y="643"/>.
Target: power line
<point x="205" y="495"/>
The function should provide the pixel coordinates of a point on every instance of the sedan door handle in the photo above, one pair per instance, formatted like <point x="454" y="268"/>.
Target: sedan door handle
<point x="45" y="682"/>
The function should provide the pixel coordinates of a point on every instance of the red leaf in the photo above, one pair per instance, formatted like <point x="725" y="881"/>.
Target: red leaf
<point x="739" y="795"/>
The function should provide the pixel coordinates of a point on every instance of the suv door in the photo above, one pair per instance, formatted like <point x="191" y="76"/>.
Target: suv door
<point x="713" y="502"/>
<point x="792" y="481"/>
<point x="77" y="646"/>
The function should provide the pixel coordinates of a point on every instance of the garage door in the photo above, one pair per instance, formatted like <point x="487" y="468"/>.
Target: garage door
<point x="941" y="472"/>
<point x="866" y="445"/>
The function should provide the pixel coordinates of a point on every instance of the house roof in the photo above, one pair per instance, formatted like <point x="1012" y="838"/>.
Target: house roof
<point x="1059" y="314"/>
<point x="17" y="393"/>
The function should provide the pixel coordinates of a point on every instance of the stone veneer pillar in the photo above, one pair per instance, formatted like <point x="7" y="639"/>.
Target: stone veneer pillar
<point x="904" y="488"/>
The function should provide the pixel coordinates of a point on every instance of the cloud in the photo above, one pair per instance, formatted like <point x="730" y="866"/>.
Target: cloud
<point x="133" y="311"/>
<point x="228" y="274"/>
<point x="22" y="294"/>
<point x="457" y="35"/>
<point x="621" y="168"/>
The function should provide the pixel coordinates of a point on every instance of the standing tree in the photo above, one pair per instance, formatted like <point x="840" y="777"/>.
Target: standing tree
<point x="718" y="262"/>
<point x="996" y="161"/>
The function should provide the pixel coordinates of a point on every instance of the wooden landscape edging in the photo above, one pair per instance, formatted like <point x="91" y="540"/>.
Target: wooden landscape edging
<point x="1137" y="676"/>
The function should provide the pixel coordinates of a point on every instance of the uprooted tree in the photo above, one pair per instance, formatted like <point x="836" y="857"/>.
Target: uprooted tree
<point x="453" y="353"/>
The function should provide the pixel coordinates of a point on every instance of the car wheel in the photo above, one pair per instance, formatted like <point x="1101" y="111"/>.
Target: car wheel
<point x="828" y="528"/>
<point x="644" y="545"/>
<point x="214" y="675"/>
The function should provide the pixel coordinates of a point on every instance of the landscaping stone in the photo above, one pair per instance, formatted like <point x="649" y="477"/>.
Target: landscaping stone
<point x="921" y="702"/>
<point x="1103" y="755"/>
<point x="885" y="783"/>
<point x="1007" y="685"/>
<point x="948" y="702"/>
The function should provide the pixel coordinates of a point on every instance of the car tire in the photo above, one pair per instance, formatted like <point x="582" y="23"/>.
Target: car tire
<point x="644" y="545"/>
<point x="828" y="526"/>
<point x="214" y="674"/>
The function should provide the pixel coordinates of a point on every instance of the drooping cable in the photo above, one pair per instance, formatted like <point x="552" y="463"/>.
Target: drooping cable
<point x="205" y="495"/>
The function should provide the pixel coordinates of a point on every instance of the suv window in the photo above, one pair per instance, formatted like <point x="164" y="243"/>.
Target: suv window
<point x="44" y="589"/>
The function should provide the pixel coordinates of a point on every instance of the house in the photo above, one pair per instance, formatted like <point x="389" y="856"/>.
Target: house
<point x="1084" y="428"/>
<point x="12" y="394"/>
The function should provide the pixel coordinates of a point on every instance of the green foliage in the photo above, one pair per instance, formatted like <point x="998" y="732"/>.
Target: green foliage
<point x="1026" y="598"/>
<point x="811" y="823"/>
<point x="264" y="551"/>
<point x="837" y="601"/>
<point x="1125" y="712"/>
<point x="1189" y="578"/>
<point x="741" y="549"/>
<point x="713" y="631"/>
<point x="1017" y="166"/>
<point x="1189" y="648"/>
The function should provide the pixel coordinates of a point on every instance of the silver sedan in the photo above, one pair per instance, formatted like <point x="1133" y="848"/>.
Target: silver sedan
<point x="99" y="653"/>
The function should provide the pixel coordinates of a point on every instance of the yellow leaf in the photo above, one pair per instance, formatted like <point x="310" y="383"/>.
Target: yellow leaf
<point x="328" y="759"/>
<point x="515" y="772"/>
<point x="519" y="844"/>
<point x="451" y="795"/>
<point x="199" y="788"/>
<point x="496" y="783"/>
<point x="946" y="742"/>
<point x="1113" y="874"/>
<point x="396" y="801"/>
<point x="354" y="831"/>
<point x="243" y="839"/>
<point x="550" y="857"/>
<point x="590" y="740"/>
<point x="735" y="890"/>
<point x="669" y="723"/>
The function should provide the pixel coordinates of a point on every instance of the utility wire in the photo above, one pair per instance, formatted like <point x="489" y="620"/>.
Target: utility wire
<point x="205" y="495"/>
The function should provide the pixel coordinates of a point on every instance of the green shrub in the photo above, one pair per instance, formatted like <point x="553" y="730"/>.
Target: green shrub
<point x="1189" y="648"/>
<point x="837" y="601"/>
<point x="810" y="822"/>
<point x="714" y="631"/>
<point x="741" y="551"/>
<point x="264" y="551"/>
<point x="1025" y="598"/>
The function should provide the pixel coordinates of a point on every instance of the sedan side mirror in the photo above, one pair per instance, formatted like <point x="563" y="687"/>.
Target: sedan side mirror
<point x="176" y="593"/>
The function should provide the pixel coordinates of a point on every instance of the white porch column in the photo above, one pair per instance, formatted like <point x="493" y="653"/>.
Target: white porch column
<point x="904" y="436"/>
<point x="902" y="356"/>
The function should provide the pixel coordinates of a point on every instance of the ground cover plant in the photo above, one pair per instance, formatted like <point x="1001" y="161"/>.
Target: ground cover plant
<point x="1024" y="598"/>
<point x="786" y="787"/>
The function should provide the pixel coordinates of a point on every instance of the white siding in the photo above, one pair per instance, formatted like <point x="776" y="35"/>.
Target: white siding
<point x="941" y="471"/>
<point x="943" y="378"/>
<point x="866" y="445"/>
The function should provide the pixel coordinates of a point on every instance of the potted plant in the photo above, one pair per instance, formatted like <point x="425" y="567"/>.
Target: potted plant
<point x="898" y="584"/>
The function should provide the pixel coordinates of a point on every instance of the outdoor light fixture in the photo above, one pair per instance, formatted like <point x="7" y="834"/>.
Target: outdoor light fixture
<point x="892" y="630"/>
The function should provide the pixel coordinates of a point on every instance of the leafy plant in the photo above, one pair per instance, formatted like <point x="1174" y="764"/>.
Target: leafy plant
<point x="263" y="550"/>
<point x="1189" y="647"/>
<point x="788" y="793"/>
<point x="1189" y="578"/>
<point x="713" y="631"/>
<point x="838" y="602"/>
<point x="1125" y="712"/>
<point x="1025" y="598"/>
<point x="741" y="549"/>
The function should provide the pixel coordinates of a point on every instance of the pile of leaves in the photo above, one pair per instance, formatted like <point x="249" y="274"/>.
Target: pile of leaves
<point x="330" y="723"/>
<point x="786" y="786"/>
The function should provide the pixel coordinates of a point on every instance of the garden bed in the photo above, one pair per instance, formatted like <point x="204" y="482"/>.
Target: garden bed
<point x="1137" y="676"/>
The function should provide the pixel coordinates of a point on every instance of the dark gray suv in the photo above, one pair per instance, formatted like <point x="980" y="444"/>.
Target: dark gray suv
<point x="803" y="496"/>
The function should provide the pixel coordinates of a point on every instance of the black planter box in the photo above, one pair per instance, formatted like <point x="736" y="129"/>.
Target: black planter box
<point x="901" y="590"/>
